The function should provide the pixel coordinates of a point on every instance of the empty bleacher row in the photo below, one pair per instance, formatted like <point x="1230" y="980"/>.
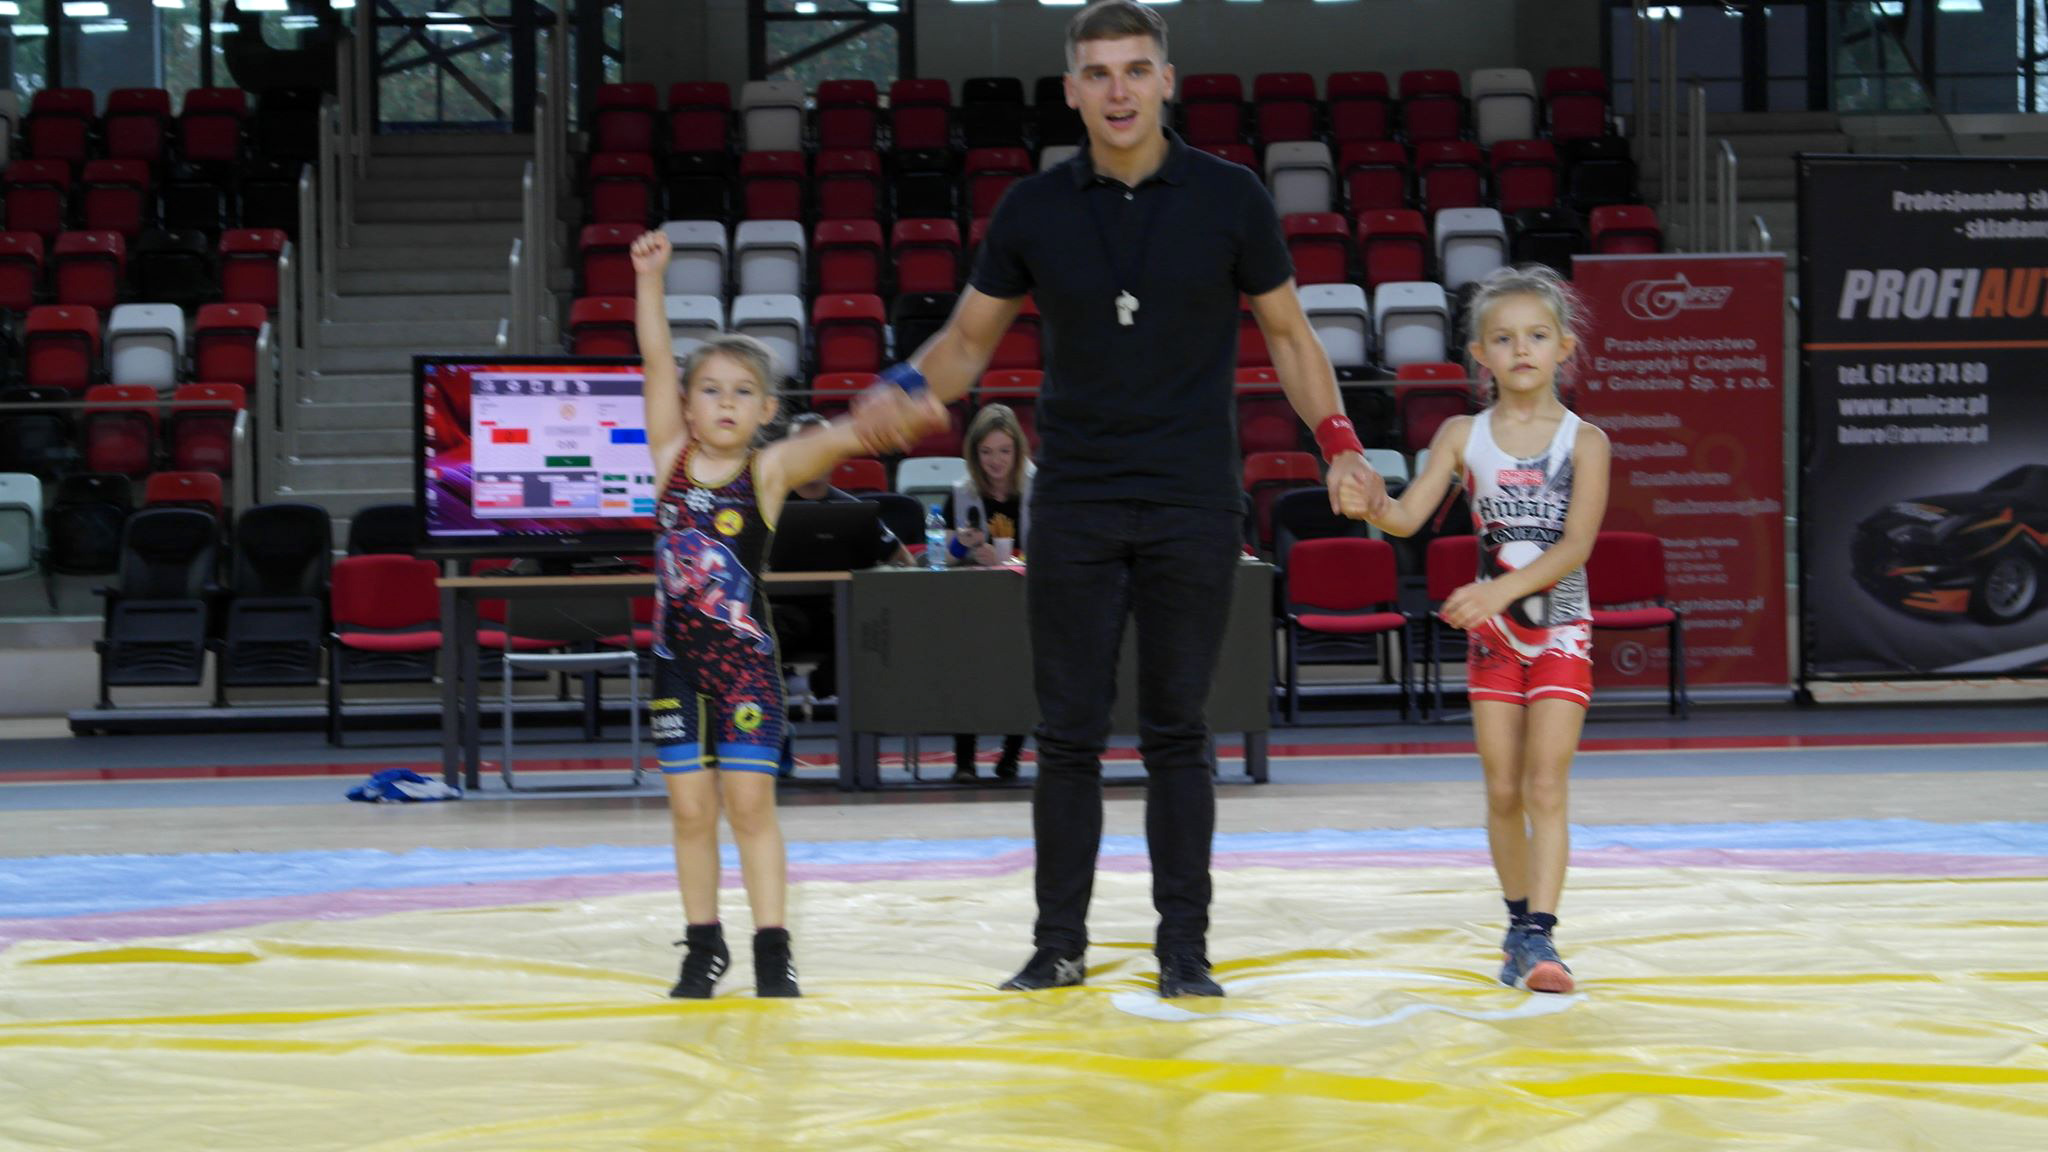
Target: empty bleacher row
<point x="839" y="227"/>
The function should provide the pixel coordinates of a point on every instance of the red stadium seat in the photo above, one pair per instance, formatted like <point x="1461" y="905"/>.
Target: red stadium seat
<point x="1375" y="176"/>
<point x="1266" y="475"/>
<point x="990" y="172"/>
<point x="224" y="339"/>
<point x="860" y="476"/>
<point x="38" y="196"/>
<point x="1393" y="247"/>
<point x="699" y="117"/>
<point x="1251" y="340"/>
<point x="602" y="326"/>
<point x="1320" y="245"/>
<point x="1243" y="155"/>
<point x="927" y="256"/>
<point x="1432" y="105"/>
<point x="1421" y="407"/>
<point x="115" y="197"/>
<point x="606" y="257"/>
<point x="210" y="131"/>
<point x="249" y="259"/>
<point x="846" y="114"/>
<point x="387" y="625"/>
<point x="87" y="268"/>
<point x="625" y="118"/>
<point x="21" y="270"/>
<point x="1525" y="175"/>
<point x="201" y="490"/>
<point x="1359" y="107"/>
<point x="1212" y="108"/>
<point x="833" y="392"/>
<point x="622" y="189"/>
<point x="59" y="126"/>
<point x="200" y="432"/>
<point x="1021" y="346"/>
<point x="1450" y="175"/>
<point x="62" y="347"/>
<point x="1265" y="420"/>
<point x="849" y="185"/>
<point x="848" y="255"/>
<point x="772" y="185"/>
<point x="851" y="333"/>
<point x="921" y="115"/>
<point x="138" y="124"/>
<point x="120" y="428"/>
<point x="1625" y="228"/>
<point x="1625" y="583"/>
<point x="1284" y="106"/>
<point x="1576" y="99"/>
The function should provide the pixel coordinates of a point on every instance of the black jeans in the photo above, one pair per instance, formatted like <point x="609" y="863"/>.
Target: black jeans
<point x="1092" y="567"/>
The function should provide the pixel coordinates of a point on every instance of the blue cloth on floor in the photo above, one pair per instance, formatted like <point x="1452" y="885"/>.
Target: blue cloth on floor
<point x="401" y="785"/>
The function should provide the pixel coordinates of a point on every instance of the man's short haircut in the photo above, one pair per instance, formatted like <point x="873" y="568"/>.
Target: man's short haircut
<point x="1114" y="20"/>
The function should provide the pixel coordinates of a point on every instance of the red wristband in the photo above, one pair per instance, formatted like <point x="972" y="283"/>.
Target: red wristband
<point x="1336" y="436"/>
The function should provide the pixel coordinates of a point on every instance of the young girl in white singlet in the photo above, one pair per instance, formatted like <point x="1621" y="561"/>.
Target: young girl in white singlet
<point x="1537" y="477"/>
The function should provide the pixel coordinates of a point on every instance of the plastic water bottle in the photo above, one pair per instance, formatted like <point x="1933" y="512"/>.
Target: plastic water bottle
<point x="935" y="540"/>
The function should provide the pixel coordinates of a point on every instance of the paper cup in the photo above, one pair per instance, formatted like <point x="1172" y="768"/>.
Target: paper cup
<point x="1005" y="546"/>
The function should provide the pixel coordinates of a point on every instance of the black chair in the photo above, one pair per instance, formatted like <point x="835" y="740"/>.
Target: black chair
<point x="84" y="524"/>
<point x="41" y="442"/>
<point x="1304" y="514"/>
<point x="992" y="112"/>
<point x="1057" y="123"/>
<point x="1598" y="171"/>
<point x="156" y="616"/>
<point x="925" y="186"/>
<point x="276" y="621"/>
<point x="916" y="318"/>
<point x="197" y="198"/>
<point x="1370" y="408"/>
<point x="902" y="514"/>
<point x="1550" y="236"/>
<point x="699" y="186"/>
<point x="173" y="267"/>
<point x="384" y="529"/>
<point x="287" y="125"/>
<point x="269" y="193"/>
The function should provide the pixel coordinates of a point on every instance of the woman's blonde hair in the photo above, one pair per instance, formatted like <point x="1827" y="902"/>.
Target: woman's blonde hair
<point x="1538" y="280"/>
<point x="990" y="420"/>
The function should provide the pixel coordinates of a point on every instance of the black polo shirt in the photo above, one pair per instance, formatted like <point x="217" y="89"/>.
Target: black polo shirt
<point x="1144" y="412"/>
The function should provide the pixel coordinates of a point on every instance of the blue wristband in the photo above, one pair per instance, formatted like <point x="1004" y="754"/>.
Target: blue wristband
<point x="905" y="376"/>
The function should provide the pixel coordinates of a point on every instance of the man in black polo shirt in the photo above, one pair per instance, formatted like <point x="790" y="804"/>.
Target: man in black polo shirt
<point x="1137" y="252"/>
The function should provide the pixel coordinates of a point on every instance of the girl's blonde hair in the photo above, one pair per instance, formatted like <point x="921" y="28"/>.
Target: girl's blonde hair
<point x="745" y="351"/>
<point x="992" y="419"/>
<point x="1538" y="280"/>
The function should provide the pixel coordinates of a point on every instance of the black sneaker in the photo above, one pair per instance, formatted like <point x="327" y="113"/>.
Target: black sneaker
<point x="774" y="970"/>
<point x="703" y="963"/>
<point x="966" y="774"/>
<point x="1006" y="768"/>
<point x="1048" y="968"/>
<point x="1185" y="972"/>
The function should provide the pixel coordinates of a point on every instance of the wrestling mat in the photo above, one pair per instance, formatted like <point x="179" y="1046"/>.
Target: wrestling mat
<point x="1868" y="985"/>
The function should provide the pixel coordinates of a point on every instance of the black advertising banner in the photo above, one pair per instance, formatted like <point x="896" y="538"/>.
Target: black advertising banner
<point x="1924" y="503"/>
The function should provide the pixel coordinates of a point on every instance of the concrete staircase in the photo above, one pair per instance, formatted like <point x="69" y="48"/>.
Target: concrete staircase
<point x="1767" y="181"/>
<point x="425" y="272"/>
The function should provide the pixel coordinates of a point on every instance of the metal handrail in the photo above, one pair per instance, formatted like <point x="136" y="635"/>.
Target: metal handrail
<point x="1759" y="235"/>
<point x="513" y="330"/>
<point x="363" y="41"/>
<point x="308" y="318"/>
<point x="1668" y="125"/>
<point x="1726" y="194"/>
<point x="345" y="145"/>
<point x="1639" y="91"/>
<point x="242" y="486"/>
<point x="283" y="398"/>
<point x="1696" y="169"/>
<point x="329" y="176"/>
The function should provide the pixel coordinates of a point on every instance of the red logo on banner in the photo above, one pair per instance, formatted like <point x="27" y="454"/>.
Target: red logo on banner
<point x="1684" y="371"/>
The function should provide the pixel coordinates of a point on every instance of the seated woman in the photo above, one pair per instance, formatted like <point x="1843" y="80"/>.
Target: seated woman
<point x="990" y="510"/>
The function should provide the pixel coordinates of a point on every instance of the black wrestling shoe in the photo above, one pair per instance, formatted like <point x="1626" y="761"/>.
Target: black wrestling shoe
<point x="774" y="970"/>
<point x="1185" y="972"/>
<point x="1048" y="968"/>
<point x="704" y="962"/>
<point x="1006" y="768"/>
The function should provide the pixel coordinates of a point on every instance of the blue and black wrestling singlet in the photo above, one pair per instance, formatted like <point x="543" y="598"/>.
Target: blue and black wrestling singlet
<point x="718" y="679"/>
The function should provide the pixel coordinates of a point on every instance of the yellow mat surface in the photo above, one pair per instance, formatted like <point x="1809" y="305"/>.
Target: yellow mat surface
<point x="1719" y="1008"/>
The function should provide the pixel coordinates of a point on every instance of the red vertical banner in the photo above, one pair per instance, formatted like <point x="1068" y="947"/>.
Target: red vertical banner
<point x="1683" y="367"/>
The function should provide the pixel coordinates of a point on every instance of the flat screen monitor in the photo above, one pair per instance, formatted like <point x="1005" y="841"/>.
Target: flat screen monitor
<point x="531" y="455"/>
